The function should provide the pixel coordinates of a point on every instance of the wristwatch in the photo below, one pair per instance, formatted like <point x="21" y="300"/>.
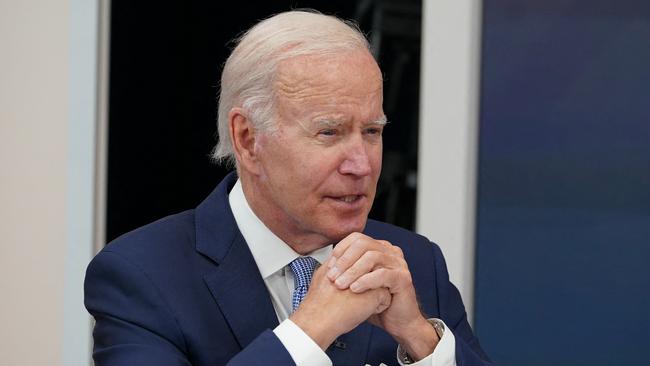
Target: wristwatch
<point x="437" y="325"/>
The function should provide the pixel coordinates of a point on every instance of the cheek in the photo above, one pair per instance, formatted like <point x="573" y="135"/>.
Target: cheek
<point x="376" y="160"/>
<point x="275" y="155"/>
<point x="294" y="171"/>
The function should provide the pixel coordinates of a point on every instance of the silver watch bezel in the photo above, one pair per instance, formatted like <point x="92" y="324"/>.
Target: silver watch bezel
<point x="437" y="325"/>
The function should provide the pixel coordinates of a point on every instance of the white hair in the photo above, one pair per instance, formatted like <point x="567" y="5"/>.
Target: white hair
<point x="248" y="75"/>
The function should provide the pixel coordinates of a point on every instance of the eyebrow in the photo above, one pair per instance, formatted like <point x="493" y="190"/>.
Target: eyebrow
<point x="328" y="123"/>
<point x="381" y="121"/>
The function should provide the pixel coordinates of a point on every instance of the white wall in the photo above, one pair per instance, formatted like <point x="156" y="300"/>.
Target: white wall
<point x="448" y="135"/>
<point x="47" y="177"/>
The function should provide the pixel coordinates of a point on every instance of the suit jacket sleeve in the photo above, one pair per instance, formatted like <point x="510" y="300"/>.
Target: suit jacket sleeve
<point x="452" y="311"/>
<point x="135" y="326"/>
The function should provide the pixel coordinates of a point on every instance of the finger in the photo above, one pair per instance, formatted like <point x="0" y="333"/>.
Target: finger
<point x="385" y="299"/>
<point x="396" y="251"/>
<point x="353" y="249"/>
<point x="393" y="280"/>
<point x="345" y="243"/>
<point x="368" y="262"/>
<point x="349" y="258"/>
<point x="352" y="240"/>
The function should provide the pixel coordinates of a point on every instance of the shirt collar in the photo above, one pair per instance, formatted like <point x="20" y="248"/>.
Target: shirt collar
<point x="271" y="254"/>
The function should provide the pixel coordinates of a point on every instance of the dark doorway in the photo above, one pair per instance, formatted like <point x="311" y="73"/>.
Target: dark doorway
<point x="165" y="65"/>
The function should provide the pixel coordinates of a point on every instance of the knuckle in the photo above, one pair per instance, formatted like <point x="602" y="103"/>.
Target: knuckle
<point x="398" y="251"/>
<point x="340" y="248"/>
<point x="343" y="261"/>
<point x="406" y="278"/>
<point x="356" y="236"/>
<point x="385" y="245"/>
<point x="372" y="256"/>
<point x="382" y="272"/>
<point x="337" y="251"/>
<point x="353" y="271"/>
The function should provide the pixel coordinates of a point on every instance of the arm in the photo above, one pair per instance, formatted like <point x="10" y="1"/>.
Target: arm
<point x="134" y="324"/>
<point x="452" y="311"/>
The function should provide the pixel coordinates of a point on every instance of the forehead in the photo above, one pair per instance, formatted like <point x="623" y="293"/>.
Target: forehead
<point x="353" y="74"/>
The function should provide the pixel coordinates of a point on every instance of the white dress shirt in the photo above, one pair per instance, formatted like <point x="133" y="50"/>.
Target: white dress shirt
<point x="272" y="257"/>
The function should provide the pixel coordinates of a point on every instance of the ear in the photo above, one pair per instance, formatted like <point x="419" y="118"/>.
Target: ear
<point x="243" y="139"/>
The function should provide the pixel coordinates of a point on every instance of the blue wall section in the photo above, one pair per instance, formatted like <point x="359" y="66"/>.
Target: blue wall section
<point x="563" y="233"/>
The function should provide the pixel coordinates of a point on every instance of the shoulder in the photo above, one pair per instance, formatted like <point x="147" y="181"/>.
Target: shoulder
<point x="164" y="251"/>
<point x="169" y="235"/>
<point x="136" y="279"/>
<point x="153" y="263"/>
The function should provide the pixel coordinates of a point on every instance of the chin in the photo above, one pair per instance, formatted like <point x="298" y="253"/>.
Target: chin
<point x="344" y="229"/>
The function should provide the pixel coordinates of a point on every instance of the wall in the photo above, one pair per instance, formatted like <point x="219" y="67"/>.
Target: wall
<point x="47" y="139"/>
<point x="448" y="127"/>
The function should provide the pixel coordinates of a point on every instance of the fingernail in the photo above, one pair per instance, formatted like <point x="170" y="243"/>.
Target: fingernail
<point x="332" y="273"/>
<point x="355" y="287"/>
<point x="342" y="282"/>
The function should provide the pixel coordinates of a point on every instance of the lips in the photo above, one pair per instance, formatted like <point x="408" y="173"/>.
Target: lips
<point x="350" y="198"/>
<point x="348" y="201"/>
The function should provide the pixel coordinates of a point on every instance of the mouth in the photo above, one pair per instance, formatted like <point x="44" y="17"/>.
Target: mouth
<point x="348" y="201"/>
<point x="349" y="198"/>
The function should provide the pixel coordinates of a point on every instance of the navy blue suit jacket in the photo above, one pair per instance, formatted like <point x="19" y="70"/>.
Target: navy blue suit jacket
<point x="185" y="290"/>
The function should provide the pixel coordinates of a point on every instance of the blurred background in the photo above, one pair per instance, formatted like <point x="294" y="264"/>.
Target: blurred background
<point x="519" y="141"/>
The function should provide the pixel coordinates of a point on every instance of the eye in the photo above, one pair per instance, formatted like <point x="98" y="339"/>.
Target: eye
<point x="328" y="132"/>
<point x="374" y="131"/>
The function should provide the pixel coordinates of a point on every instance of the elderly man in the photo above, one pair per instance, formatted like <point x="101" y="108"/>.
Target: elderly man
<point x="233" y="282"/>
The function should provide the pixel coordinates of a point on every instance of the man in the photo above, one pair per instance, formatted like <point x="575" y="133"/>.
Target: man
<point x="232" y="282"/>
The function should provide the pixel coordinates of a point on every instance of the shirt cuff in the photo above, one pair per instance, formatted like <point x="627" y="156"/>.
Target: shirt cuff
<point x="303" y="350"/>
<point x="443" y="355"/>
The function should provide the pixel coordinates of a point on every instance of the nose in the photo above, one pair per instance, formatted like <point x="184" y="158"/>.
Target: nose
<point x="356" y="159"/>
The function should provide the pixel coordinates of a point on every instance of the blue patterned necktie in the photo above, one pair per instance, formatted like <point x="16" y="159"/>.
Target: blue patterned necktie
<point x="303" y="269"/>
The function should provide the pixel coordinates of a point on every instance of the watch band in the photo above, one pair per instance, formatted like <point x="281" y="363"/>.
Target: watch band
<point x="437" y="325"/>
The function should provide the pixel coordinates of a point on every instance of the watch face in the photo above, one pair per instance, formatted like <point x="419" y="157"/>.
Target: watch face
<point x="403" y="356"/>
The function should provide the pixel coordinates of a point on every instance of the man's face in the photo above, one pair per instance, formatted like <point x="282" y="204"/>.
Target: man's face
<point x="319" y="170"/>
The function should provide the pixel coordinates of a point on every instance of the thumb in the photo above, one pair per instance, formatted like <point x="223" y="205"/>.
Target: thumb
<point x="384" y="300"/>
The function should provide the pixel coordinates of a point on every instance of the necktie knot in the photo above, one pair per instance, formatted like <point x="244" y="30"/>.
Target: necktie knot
<point x="303" y="270"/>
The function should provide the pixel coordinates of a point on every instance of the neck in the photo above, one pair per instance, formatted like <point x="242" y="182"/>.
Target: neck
<point x="280" y="224"/>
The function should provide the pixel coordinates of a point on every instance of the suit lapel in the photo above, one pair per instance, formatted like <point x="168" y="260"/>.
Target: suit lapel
<point x="235" y="283"/>
<point x="242" y="296"/>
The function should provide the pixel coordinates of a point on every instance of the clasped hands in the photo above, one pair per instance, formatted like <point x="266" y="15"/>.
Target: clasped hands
<point x="365" y="279"/>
